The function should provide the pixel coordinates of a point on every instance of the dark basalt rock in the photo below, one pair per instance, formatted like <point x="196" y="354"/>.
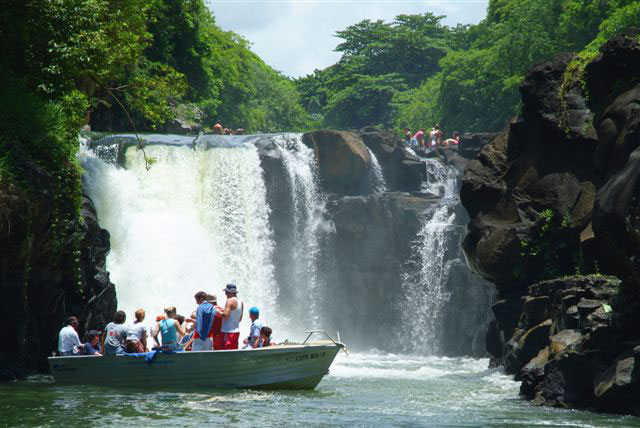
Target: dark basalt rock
<point x="343" y="161"/>
<point x="38" y="293"/>
<point x="471" y="144"/>
<point x="554" y="193"/>
<point x="365" y="258"/>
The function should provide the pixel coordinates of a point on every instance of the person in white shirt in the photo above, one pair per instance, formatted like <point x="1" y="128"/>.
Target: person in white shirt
<point x="68" y="340"/>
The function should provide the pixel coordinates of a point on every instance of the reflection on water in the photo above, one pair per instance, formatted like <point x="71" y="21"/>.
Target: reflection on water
<point x="362" y="389"/>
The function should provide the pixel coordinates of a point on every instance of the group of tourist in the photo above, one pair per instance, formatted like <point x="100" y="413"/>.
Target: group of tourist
<point x="210" y="327"/>
<point x="220" y="130"/>
<point x="431" y="140"/>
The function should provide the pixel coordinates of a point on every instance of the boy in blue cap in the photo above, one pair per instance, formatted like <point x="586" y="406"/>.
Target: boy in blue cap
<point x="253" y="341"/>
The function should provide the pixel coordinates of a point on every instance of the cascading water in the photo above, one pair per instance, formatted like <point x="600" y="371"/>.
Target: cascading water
<point x="377" y="183"/>
<point x="200" y="219"/>
<point x="426" y="271"/>
<point x="307" y="207"/>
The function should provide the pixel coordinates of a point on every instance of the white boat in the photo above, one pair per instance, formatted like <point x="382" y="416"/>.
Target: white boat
<point x="288" y="366"/>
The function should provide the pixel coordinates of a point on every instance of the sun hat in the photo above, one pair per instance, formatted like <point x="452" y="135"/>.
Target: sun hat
<point x="254" y="310"/>
<point x="212" y="298"/>
<point x="231" y="288"/>
<point x="93" y="333"/>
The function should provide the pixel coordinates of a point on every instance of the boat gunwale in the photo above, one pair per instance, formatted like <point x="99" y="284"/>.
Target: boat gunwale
<point x="270" y="349"/>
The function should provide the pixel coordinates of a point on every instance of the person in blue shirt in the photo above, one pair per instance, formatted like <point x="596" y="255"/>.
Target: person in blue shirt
<point x="253" y="341"/>
<point x="92" y="343"/>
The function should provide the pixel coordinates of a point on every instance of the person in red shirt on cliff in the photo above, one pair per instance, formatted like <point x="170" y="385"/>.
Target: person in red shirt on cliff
<point x="419" y="136"/>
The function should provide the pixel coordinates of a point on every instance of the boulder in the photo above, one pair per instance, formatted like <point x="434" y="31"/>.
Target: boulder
<point x="568" y="381"/>
<point x="187" y="119"/>
<point x="343" y="161"/>
<point x="471" y="144"/>
<point x="536" y="310"/>
<point x="564" y="341"/>
<point x="616" y="389"/>
<point x="532" y="342"/>
<point x="532" y="374"/>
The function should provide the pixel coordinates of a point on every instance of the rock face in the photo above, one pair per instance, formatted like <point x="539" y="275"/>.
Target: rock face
<point x="403" y="171"/>
<point x="365" y="257"/>
<point x="553" y="194"/>
<point x="343" y="161"/>
<point x="43" y="281"/>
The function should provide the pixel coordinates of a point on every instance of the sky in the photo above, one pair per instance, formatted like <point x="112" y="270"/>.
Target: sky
<point x="297" y="36"/>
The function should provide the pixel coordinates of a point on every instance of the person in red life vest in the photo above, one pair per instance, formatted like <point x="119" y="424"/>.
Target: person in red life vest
<point x="231" y="317"/>
<point x="216" y="328"/>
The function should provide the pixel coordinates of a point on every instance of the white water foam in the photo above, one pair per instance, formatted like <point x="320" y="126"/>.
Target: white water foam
<point x="308" y="202"/>
<point x="426" y="273"/>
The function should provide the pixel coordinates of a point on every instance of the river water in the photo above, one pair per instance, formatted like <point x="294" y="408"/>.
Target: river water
<point x="363" y="389"/>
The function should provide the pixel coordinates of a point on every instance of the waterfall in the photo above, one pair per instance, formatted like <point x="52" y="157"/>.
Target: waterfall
<point x="196" y="221"/>
<point x="307" y="208"/>
<point x="377" y="183"/>
<point x="200" y="218"/>
<point x="426" y="272"/>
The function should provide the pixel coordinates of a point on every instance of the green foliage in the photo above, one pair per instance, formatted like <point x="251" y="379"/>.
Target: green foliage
<point x="154" y="89"/>
<point x="621" y="19"/>
<point x="366" y="99"/>
<point x="39" y="134"/>
<point x="464" y="78"/>
<point x="379" y="61"/>
<point x="419" y="107"/>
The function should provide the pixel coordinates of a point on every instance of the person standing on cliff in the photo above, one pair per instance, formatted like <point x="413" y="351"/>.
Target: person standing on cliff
<point x="407" y="136"/>
<point x="68" y="340"/>
<point x="438" y="135"/>
<point x="420" y="137"/>
<point x="231" y="317"/>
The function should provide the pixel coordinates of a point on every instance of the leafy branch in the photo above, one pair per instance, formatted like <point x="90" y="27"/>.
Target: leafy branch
<point x="148" y="160"/>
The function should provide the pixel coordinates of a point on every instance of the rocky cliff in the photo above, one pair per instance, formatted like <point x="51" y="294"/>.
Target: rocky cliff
<point x="551" y="199"/>
<point x="46" y="276"/>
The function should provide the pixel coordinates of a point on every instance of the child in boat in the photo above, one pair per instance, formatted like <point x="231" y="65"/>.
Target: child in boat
<point x="265" y="336"/>
<point x="190" y="327"/>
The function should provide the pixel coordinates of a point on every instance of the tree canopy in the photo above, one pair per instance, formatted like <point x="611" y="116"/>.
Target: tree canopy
<point x="415" y="71"/>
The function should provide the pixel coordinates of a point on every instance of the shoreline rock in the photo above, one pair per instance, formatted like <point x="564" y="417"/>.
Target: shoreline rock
<point x="554" y="194"/>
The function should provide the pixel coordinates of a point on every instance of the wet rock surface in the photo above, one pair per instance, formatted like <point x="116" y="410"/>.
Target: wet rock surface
<point x="552" y="195"/>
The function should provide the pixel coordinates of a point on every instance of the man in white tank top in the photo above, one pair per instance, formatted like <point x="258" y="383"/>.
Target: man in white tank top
<point x="231" y="317"/>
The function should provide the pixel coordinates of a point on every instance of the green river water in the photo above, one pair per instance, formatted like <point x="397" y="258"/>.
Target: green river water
<point x="366" y="389"/>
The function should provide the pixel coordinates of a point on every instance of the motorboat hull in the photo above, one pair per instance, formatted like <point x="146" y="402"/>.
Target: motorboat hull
<point x="278" y="367"/>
